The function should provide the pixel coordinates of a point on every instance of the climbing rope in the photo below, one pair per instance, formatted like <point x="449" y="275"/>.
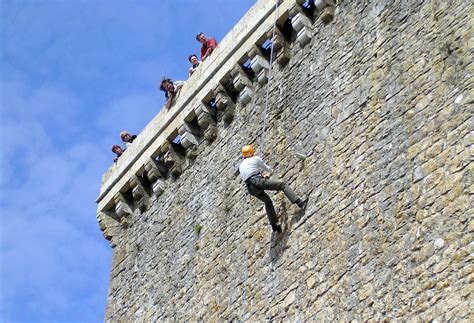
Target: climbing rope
<point x="264" y="131"/>
<point x="270" y="78"/>
<point x="298" y="153"/>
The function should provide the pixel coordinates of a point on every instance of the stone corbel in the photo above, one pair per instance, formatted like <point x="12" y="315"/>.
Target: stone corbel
<point x="109" y="226"/>
<point x="325" y="10"/>
<point x="139" y="193"/>
<point x="122" y="209"/>
<point x="154" y="171"/>
<point x="156" y="176"/>
<point x="211" y="133"/>
<point x="158" y="187"/>
<point x="257" y="61"/>
<point x="204" y="117"/>
<point x="245" y="95"/>
<point x="192" y="152"/>
<point x="189" y="135"/>
<point x="302" y="26"/>
<point x="281" y="48"/>
<point x="172" y="161"/>
<point x="240" y="79"/>
<point x="188" y="140"/>
<point x="260" y="66"/>
<point x="321" y="4"/>
<point x="223" y="101"/>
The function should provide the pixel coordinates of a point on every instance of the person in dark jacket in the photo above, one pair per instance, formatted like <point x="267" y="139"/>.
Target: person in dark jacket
<point x="194" y="63"/>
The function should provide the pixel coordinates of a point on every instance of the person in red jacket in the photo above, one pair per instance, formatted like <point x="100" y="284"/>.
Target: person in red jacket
<point x="208" y="45"/>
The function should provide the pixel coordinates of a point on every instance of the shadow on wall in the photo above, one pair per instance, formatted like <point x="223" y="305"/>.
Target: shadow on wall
<point x="279" y="242"/>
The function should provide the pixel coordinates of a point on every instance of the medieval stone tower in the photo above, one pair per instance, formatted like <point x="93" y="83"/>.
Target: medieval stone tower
<point x="378" y="97"/>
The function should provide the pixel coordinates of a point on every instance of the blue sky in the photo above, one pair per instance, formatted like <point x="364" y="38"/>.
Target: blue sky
<point x="73" y="74"/>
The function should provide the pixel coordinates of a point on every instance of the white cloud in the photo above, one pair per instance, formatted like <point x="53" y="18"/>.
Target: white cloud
<point x="51" y="250"/>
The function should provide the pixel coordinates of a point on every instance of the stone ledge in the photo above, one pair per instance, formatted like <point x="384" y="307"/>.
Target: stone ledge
<point x="167" y="119"/>
<point x="224" y="77"/>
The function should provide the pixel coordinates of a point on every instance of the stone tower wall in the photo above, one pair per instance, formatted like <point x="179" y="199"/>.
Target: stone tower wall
<point x="380" y="100"/>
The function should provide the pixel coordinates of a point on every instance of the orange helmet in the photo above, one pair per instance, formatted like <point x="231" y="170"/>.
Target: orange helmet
<point x="247" y="151"/>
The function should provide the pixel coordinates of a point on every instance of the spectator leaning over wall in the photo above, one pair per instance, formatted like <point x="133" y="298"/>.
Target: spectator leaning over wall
<point x="171" y="90"/>
<point x="208" y="45"/>
<point x="194" y="62"/>
<point x="256" y="175"/>
<point x="127" y="138"/>
<point x="117" y="150"/>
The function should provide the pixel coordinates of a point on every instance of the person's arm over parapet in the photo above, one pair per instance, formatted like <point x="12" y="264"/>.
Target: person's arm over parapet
<point x="208" y="45"/>
<point x="171" y="90"/>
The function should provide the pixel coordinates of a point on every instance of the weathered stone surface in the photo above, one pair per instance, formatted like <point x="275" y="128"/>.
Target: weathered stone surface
<point x="380" y="100"/>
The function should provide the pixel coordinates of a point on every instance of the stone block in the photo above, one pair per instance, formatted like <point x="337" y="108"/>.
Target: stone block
<point x="262" y="77"/>
<point x="304" y="36"/>
<point x="138" y="190"/>
<point x="190" y="128"/>
<point x="258" y="63"/>
<point x="245" y="95"/>
<point x="159" y="187"/>
<point x="205" y="117"/>
<point x="283" y="56"/>
<point x="154" y="170"/>
<point x="300" y="21"/>
<point x="327" y="14"/>
<point x="211" y="133"/>
<point x="192" y="152"/>
<point x="321" y="4"/>
<point x="240" y="81"/>
<point x="188" y="140"/>
<point x="228" y="115"/>
<point x="122" y="209"/>
<point x="223" y="101"/>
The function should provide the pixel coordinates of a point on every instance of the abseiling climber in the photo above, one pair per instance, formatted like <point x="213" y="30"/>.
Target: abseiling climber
<point x="256" y="175"/>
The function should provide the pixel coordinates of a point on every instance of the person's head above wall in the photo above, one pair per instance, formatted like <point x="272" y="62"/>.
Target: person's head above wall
<point x="125" y="136"/>
<point x="200" y="37"/>
<point x="117" y="150"/>
<point x="193" y="59"/>
<point x="166" y="84"/>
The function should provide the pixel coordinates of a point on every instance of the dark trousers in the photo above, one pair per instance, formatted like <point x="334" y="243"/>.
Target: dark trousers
<point x="257" y="186"/>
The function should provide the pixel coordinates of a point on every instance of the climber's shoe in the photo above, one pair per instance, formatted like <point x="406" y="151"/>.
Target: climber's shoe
<point x="301" y="203"/>
<point x="276" y="228"/>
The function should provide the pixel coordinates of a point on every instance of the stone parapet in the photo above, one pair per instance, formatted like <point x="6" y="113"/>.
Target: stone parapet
<point x="370" y="118"/>
<point x="226" y="78"/>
